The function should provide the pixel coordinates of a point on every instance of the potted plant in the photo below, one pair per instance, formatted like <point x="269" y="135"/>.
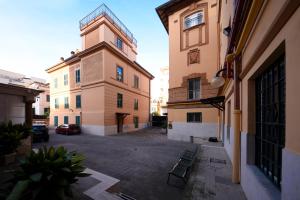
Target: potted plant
<point x="47" y="174"/>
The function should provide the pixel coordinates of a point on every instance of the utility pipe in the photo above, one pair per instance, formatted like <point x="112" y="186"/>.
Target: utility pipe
<point x="236" y="161"/>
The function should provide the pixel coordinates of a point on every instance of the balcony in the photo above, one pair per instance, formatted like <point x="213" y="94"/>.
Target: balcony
<point x="103" y="10"/>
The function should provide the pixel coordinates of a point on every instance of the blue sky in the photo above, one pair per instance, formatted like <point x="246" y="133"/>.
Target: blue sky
<point x="36" y="33"/>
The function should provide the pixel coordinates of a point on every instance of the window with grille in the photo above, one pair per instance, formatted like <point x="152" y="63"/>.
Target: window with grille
<point x="193" y="20"/>
<point x="119" y="100"/>
<point x="194" y="88"/>
<point x="119" y="74"/>
<point x="195" y="117"/>
<point x="270" y="120"/>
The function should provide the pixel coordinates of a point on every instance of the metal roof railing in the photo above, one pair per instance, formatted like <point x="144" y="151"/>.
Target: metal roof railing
<point x="103" y="10"/>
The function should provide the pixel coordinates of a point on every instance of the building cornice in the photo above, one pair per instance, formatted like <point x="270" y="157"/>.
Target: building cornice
<point x="102" y="45"/>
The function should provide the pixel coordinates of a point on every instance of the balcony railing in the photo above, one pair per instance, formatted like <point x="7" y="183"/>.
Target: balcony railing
<point x="103" y="10"/>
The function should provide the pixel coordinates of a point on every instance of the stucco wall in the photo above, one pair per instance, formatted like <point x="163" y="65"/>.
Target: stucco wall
<point x="12" y="108"/>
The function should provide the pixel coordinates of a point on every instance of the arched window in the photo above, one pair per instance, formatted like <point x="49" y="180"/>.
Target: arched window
<point x="193" y="19"/>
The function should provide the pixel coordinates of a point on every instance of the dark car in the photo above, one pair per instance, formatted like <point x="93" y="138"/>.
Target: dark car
<point x="68" y="129"/>
<point x="40" y="133"/>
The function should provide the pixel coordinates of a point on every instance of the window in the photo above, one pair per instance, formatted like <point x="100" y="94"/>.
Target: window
<point x="194" y="88"/>
<point x="119" y="43"/>
<point x="120" y="100"/>
<point x="56" y="103"/>
<point x="195" y="117"/>
<point x="228" y="120"/>
<point x="136" y="122"/>
<point x="66" y="102"/>
<point x="270" y="120"/>
<point x="55" y="83"/>
<point x="46" y="111"/>
<point x="48" y="98"/>
<point x="119" y="73"/>
<point x="136" y="104"/>
<point x="136" y="82"/>
<point x="66" y="120"/>
<point x="193" y="20"/>
<point x="77" y="75"/>
<point x="78" y="101"/>
<point x="66" y="79"/>
<point x="77" y="120"/>
<point x="55" y="120"/>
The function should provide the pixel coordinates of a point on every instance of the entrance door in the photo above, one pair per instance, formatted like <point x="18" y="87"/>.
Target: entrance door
<point x="120" y="124"/>
<point x="270" y="120"/>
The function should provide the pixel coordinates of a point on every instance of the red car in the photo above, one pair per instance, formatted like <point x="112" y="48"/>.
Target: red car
<point x="68" y="129"/>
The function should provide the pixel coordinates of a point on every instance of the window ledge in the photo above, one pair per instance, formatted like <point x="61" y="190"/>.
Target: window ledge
<point x="193" y="27"/>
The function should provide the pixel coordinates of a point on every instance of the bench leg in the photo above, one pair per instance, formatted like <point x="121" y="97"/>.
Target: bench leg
<point x="168" y="179"/>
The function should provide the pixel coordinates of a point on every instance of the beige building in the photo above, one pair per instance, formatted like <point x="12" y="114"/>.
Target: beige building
<point x="102" y="87"/>
<point x="255" y="71"/>
<point x="259" y="52"/>
<point x="192" y="30"/>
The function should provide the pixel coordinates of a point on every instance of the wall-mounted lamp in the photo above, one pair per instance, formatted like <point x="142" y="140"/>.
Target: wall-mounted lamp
<point x="227" y="30"/>
<point x="218" y="81"/>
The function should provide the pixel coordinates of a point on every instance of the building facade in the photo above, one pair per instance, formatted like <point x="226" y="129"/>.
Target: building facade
<point x="102" y="87"/>
<point x="259" y="51"/>
<point x="192" y="30"/>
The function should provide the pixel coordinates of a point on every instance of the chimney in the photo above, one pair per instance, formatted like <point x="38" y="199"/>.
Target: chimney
<point x="72" y="53"/>
<point x="62" y="58"/>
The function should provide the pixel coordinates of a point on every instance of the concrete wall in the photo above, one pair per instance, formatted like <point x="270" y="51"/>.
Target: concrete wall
<point x="12" y="108"/>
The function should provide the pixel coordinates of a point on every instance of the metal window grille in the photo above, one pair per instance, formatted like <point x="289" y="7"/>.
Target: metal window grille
<point x="270" y="120"/>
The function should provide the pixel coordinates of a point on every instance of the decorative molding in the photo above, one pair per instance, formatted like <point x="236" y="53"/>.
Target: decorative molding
<point x="193" y="56"/>
<point x="192" y="9"/>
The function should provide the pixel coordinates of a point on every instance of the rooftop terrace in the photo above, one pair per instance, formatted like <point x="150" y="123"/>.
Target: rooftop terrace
<point x="103" y="10"/>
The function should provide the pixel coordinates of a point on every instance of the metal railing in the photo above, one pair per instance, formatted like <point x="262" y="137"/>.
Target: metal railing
<point x="103" y="10"/>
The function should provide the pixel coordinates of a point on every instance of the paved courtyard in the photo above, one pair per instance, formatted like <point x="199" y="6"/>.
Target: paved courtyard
<point x="141" y="161"/>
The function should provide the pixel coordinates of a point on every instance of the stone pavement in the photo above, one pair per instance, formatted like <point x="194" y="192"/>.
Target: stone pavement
<point x="211" y="176"/>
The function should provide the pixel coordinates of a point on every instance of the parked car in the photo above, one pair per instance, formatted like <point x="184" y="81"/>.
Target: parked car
<point x="40" y="133"/>
<point x="68" y="129"/>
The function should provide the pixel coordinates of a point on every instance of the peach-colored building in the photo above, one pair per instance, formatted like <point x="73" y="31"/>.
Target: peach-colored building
<point x="256" y="74"/>
<point x="102" y="87"/>
<point x="259" y="52"/>
<point x="192" y="30"/>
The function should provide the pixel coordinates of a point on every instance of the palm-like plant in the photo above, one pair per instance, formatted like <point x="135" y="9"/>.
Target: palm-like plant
<point x="48" y="174"/>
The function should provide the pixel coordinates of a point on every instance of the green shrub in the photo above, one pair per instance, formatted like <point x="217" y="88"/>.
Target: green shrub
<point x="48" y="175"/>
<point x="11" y="136"/>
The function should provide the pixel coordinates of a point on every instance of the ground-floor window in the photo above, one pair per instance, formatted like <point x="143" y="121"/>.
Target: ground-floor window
<point x="270" y="120"/>
<point x="66" y="120"/>
<point x="55" y="120"/>
<point x="136" y="122"/>
<point x="194" y="117"/>
<point x="77" y="120"/>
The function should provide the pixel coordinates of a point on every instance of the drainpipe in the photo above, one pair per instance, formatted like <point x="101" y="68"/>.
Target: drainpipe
<point x="236" y="58"/>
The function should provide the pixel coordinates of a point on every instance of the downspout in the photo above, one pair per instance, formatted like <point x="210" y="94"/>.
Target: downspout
<point x="236" y="58"/>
